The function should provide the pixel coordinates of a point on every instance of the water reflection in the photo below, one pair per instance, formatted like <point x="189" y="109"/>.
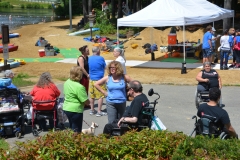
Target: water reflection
<point x="17" y="17"/>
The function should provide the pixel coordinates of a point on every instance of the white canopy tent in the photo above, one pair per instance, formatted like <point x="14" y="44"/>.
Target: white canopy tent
<point x="176" y="13"/>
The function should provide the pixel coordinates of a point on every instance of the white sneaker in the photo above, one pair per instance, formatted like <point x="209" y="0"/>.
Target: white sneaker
<point x="101" y="114"/>
<point x="92" y="112"/>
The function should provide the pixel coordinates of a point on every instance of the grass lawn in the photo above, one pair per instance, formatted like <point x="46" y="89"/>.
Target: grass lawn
<point x="21" y="80"/>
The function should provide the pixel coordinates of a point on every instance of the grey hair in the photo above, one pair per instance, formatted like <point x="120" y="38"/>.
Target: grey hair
<point x="206" y="63"/>
<point x="7" y="73"/>
<point x="45" y="80"/>
<point x="95" y="50"/>
<point x="121" y="51"/>
<point x="136" y="86"/>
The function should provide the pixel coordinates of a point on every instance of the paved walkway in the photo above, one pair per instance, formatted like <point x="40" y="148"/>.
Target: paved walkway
<point x="149" y="64"/>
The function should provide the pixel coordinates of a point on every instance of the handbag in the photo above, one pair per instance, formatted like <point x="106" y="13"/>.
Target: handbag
<point x="157" y="124"/>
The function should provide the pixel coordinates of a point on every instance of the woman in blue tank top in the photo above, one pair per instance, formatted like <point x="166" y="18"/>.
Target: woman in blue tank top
<point x="116" y="90"/>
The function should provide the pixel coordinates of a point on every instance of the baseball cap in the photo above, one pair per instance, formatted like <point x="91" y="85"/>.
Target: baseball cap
<point x="213" y="29"/>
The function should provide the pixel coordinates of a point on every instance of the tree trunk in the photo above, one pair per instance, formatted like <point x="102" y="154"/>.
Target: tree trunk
<point x="138" y="5"/>
<point x="89" y="6"/>
<point x="84" y="3"/>
<point x="134" y="6"/>
<point x="120" y="13"/>
<point x="113" y="8"/>
<point x="226" y="21"/>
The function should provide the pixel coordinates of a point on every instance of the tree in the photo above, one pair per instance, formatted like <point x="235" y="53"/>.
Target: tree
<point x="113" y="9"/>
<point x="226" y="21"/>
<point x="89" y="6"/>
<point x="84" y="4"/>
<point x="120" y="14"/>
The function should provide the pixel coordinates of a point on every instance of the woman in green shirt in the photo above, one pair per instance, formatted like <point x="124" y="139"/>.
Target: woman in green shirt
<point x="75" y="98"/>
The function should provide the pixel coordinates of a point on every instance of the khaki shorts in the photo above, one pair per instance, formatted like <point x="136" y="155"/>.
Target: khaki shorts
<point x="94" y="93"/>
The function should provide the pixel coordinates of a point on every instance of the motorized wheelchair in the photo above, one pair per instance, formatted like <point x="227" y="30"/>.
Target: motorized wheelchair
<point x="208" y="126"/>
<point x="146" y="115"/>
<point x="203" y="97"/>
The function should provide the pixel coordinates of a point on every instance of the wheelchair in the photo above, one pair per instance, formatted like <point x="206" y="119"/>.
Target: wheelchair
<point x="146" y="116"/>
<point x="203" y="97"/>
<point x="11" y="113"/>
<point x="44" y="110"/>
<point x="208" y="126"/>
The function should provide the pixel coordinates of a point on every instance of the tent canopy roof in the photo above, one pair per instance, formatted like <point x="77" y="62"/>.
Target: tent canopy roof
<point x="176" y="13"/>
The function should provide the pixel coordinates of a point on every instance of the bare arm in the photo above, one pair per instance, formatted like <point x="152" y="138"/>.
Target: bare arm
<point x="81" y="63"/>
<point x="87" y="102"/>
<point x="127" y="119"/>
<point x="219" y="81"/>
<point x="231" y="130"/>
<point x="101" y="82"/>
<point x="200" y="79"/>
<point x="210" y="43"/>
<point x="127" y="78"/>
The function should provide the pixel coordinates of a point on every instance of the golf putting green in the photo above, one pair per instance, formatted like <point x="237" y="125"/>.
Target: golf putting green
<point x="70" y="52"/>
<point x="180" y="60"/>
<point x="41" y="59"/>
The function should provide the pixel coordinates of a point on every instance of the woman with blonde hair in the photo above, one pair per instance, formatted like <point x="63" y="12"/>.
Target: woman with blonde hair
<point x="118" y="53"/>
<point x="75" y="98"/>
<point x="116" y="95"/>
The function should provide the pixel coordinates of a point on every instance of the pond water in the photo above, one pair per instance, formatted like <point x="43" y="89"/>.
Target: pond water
<point x="16" y="17"/>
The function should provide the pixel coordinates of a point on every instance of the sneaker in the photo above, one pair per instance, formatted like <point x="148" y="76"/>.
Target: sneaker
<point x="92" y="112"/>
<point x="101" y="114"/>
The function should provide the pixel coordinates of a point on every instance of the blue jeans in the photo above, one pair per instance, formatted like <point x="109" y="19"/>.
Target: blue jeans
<point x="75" y="121"/>
<point x="115" y="110"/>
<point x="224" y="55"/>
<point x="237" y="54"/>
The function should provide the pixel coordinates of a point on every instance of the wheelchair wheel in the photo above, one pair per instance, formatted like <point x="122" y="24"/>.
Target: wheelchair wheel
<point x="223" y="135"/>
<point x="197" y="99"/>
<point x="18" y="134"/>
<point x="35" y="132"/>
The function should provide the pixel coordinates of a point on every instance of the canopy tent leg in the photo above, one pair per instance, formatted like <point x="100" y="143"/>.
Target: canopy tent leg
<point x="213" y="24"/>
<point x="233" y="21"/>
<point x="117" y="36"/>
<point x="184" y="69"/>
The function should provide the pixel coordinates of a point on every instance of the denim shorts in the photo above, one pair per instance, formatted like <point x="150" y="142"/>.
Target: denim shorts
<point x="207" y="53"/>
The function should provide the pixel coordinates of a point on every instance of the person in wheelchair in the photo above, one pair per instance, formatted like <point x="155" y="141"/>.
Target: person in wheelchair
<point x="212" y="109"/>
<point x="132" y="113"/>
<point x="45" y="90"/>
<point x="208" y="78"/>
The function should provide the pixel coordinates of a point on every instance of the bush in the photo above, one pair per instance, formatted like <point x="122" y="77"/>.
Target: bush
<point x="29" y="5"/>
<point x="146" y="144"/>
<point x="22" y="6"/>
<point x="5" y="5"/>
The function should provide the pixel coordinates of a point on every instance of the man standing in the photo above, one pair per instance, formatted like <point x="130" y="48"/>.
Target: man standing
<point x="96" y="71"/>
<point x="207" y="45"/>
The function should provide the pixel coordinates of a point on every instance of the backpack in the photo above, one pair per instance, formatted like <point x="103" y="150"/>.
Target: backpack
<point x="147" y="45"/>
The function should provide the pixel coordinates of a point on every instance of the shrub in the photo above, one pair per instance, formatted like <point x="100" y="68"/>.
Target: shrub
<point x="146" y="144"/>
<point x="29" y="5"/>
<point x="5" y="5"/>
<point x="22" y="6"/>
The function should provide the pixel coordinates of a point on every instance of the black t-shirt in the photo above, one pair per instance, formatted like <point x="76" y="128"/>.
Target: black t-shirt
<point x="215" y="111"/>
<point x="134" y="110"/>
<point x="212" y="75"/>
<point x="86" y="66"/>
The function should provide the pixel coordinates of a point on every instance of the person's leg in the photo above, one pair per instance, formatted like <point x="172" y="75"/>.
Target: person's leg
<point x="92" y="97"/>
<point x="120" y="109"/>
<point x="100" y="97"/>
<point x="109" y="127"/>
<point x="77" y="119"/>
<point x="221" y="59"/>
<point x="204" y="55"/>
<point x="226" y="55"/>
<point x="200" y="88"/>
<point x="111" y="111"/>
<point x="238" y="58"/>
